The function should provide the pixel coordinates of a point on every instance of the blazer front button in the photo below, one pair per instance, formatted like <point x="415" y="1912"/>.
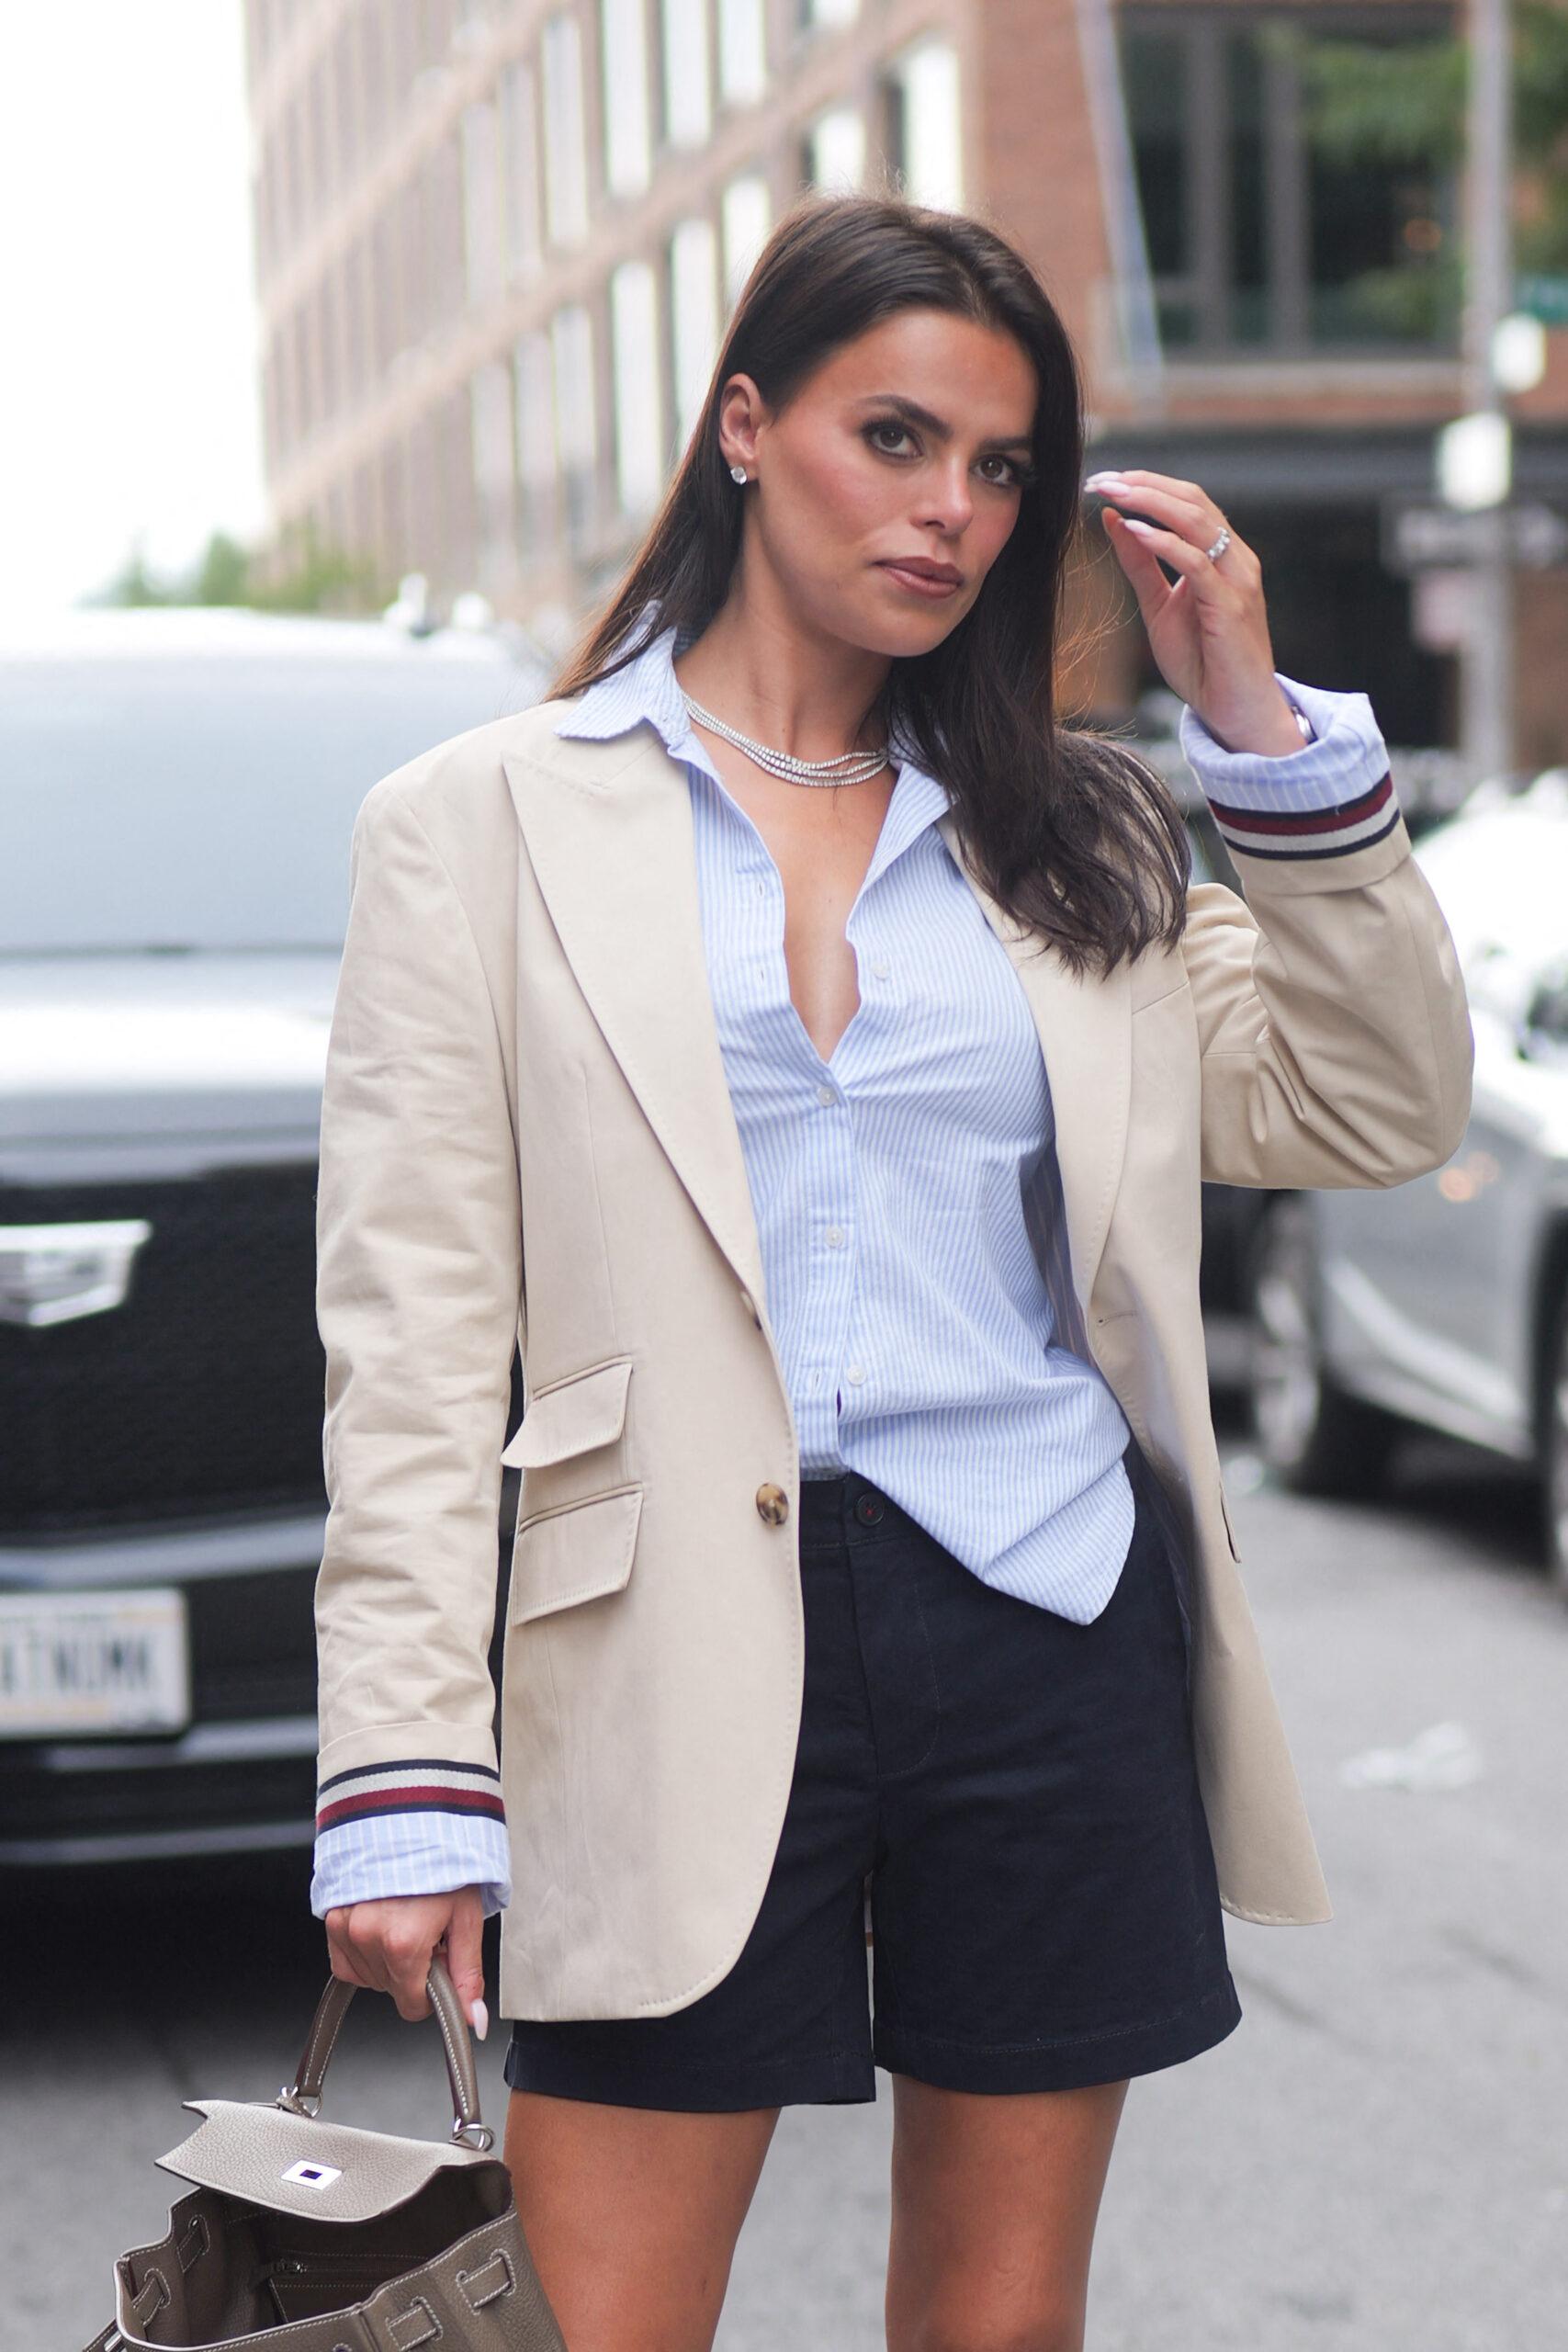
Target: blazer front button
<point x="773" y="1504"/>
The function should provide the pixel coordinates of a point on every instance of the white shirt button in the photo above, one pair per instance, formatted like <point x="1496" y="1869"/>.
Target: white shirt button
<point x="824" y="1094"/>
<point x="857" y="1374"/>
<point x="835" y="1237"/>
<point x="879" y="966"/>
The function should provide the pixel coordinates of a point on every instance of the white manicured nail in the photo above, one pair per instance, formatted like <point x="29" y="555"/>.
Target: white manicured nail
<point x="478" y="2017"/>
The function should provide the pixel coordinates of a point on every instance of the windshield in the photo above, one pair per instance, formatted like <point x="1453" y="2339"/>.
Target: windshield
<point x="208" y="802"/>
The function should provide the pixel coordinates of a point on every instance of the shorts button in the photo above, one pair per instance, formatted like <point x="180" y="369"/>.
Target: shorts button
<point x="868" y="1510"/>
<point x="773" y="1504"/>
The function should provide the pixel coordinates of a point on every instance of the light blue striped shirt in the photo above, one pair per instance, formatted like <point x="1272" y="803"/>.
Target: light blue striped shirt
<point x="889" y="1186"/>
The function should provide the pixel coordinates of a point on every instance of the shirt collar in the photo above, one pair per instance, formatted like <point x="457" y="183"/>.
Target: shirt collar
<point x="647" y="688"/>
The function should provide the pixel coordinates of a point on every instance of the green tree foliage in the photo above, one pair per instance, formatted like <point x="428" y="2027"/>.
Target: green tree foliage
<point x="302" y="575"/>
<point x="1404" y="101"/>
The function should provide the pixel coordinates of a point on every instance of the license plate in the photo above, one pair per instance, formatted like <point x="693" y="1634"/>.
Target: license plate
<point x="93" y="1661"/>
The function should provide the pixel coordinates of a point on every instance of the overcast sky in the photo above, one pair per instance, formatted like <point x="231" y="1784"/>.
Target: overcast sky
<point x="128" y="396"/>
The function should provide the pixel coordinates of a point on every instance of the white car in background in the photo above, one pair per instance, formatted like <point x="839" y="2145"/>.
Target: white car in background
<point x="1443" y="1303"/>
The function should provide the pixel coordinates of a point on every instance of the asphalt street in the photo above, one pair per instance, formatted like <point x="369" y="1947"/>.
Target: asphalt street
<point x="1375" y="2161"/>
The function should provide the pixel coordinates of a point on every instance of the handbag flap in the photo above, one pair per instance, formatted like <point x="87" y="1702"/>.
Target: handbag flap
<point x="300" y="2163"/>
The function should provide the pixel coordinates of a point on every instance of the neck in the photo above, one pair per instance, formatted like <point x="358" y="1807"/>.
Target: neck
<point x="776" y="679"/>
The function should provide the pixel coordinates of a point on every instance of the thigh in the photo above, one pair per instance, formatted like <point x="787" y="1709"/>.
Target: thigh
<point x="632" y="2213"/>
<point x="994" y="2200"/>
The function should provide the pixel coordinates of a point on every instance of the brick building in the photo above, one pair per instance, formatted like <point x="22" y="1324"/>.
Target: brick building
<point x="497" y="239"/>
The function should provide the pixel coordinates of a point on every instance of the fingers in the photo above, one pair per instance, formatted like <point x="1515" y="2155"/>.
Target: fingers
<point x="465" y="1958"/>
<point x="1169" y="505"/>
<point x="384" y="1944"/>
<point x="1148" y="581"/>
<point x="1179" y="553"/>
<point x="1181" y="510"/>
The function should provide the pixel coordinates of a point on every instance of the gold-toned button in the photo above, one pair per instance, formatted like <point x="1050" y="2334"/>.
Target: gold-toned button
<point x="773" y="1504"/>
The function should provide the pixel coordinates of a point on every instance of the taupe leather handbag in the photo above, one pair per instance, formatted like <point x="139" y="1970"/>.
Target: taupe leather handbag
<point x="322" y="2238"/>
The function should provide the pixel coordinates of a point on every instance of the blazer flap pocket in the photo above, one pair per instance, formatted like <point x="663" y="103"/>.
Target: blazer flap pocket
<point x="574" y="1554"/>
<point x="586" y="1410"/>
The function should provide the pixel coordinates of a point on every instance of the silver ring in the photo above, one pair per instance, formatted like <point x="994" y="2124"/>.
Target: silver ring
<point x="1221" y="543"/>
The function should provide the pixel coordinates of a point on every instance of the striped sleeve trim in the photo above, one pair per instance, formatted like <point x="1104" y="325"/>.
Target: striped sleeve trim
<point x="1310" y="832"/>
<point x="418" y="1784"/>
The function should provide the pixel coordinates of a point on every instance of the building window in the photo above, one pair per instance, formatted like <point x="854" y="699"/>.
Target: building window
<point x="742" y="51"/>
<point x="746" y="213"/>
<point x="835" y="147"/>
<point x="637" y="375"/>
<point x="566" y="151"/>
<point x="533" y="369"/>
<point x="1264" y="232"/>
<point x="623" y="51"/>
<point x="577" y="435"/>
<point x="357" y="358"/>
<point x="694" y="319"/>
<point x="688" y="91"/>
<point x="493" y="438"/>
<point x="925" y="125"/>
<point x="482" y="222"/>
<point x="517" y="97"/>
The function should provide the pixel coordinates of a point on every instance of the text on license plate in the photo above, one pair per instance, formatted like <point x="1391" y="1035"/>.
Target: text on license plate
<point x="93" y="1661"/>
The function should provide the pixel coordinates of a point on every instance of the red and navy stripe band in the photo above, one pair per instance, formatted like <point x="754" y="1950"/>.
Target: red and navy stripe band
<point x="415" y="1784"/>
<point x="1310" y="832"/>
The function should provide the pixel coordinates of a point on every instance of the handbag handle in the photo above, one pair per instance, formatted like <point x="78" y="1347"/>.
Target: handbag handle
<point x="303" y="2095"/>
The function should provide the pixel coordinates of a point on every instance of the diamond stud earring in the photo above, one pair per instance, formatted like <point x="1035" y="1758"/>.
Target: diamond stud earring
<point x="738" y="473"/>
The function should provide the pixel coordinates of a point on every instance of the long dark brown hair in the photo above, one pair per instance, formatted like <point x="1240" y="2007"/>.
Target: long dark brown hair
<point x="1067" y="827"/>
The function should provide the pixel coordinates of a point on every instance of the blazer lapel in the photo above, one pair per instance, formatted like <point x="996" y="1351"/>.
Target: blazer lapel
<point x="1086" y="1037"/>
<point x="608" y="827"/>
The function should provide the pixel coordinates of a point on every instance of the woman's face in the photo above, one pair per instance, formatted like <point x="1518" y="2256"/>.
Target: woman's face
<point x="847" y="480"/>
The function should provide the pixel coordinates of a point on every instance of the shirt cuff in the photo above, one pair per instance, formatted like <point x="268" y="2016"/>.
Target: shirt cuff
<point x="1331" y="796"/>
<point x="431" y="1852"/>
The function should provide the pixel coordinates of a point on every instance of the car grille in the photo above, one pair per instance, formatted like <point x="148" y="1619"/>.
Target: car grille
<point x="202" y="1393"/>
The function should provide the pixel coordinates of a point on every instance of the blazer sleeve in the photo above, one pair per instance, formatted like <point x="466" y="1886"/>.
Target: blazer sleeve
<point x="418" y="1267"/>
<point x="1332" y="1018"/>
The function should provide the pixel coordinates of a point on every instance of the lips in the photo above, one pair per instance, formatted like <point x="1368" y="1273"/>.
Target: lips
<point x="924" y="569"/>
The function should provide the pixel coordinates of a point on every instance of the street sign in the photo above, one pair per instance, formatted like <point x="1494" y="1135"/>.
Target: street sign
<point x="1421" y="535"/>
<point x="1544" y="294"/>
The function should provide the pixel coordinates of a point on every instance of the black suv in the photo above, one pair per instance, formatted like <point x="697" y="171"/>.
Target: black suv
<point x="178" y="789"/>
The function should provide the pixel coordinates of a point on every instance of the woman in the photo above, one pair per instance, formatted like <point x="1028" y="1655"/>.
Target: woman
<point x="834" y="1154"/>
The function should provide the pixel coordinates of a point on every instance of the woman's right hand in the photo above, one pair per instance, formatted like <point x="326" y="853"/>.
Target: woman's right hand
<point x="386" y="1945"/>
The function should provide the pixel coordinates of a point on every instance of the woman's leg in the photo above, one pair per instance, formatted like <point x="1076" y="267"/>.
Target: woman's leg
<point x="632" y="2213"/>
<point x="995" y="2199"/>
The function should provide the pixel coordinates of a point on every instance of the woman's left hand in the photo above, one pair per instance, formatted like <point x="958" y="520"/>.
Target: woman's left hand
<point x="1209" y="633"/>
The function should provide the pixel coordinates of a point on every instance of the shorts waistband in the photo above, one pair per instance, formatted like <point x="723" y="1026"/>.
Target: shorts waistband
<point x="847" y="1508"/>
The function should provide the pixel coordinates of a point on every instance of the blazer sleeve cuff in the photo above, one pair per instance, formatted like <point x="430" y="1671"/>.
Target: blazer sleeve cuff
<point x="427" y="1851"/>
<point x="1333" y="795"/>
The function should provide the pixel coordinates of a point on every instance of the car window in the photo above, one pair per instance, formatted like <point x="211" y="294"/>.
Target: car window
<point x="208" y="803"/>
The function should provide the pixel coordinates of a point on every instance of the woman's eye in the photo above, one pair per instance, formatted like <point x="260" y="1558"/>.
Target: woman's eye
<point x="1014" y="479"/>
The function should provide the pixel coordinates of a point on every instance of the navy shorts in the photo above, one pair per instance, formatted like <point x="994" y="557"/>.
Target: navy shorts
<point x="1019" y="1795"/>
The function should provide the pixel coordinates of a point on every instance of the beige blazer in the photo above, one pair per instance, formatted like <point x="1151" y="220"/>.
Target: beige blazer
<point x="526" y="1136"/>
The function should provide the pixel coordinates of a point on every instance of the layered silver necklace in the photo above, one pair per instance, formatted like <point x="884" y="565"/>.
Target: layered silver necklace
<point x="849" y="767"/>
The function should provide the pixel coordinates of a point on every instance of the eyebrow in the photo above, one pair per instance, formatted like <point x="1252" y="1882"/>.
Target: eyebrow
<point x="939" y="425"/>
